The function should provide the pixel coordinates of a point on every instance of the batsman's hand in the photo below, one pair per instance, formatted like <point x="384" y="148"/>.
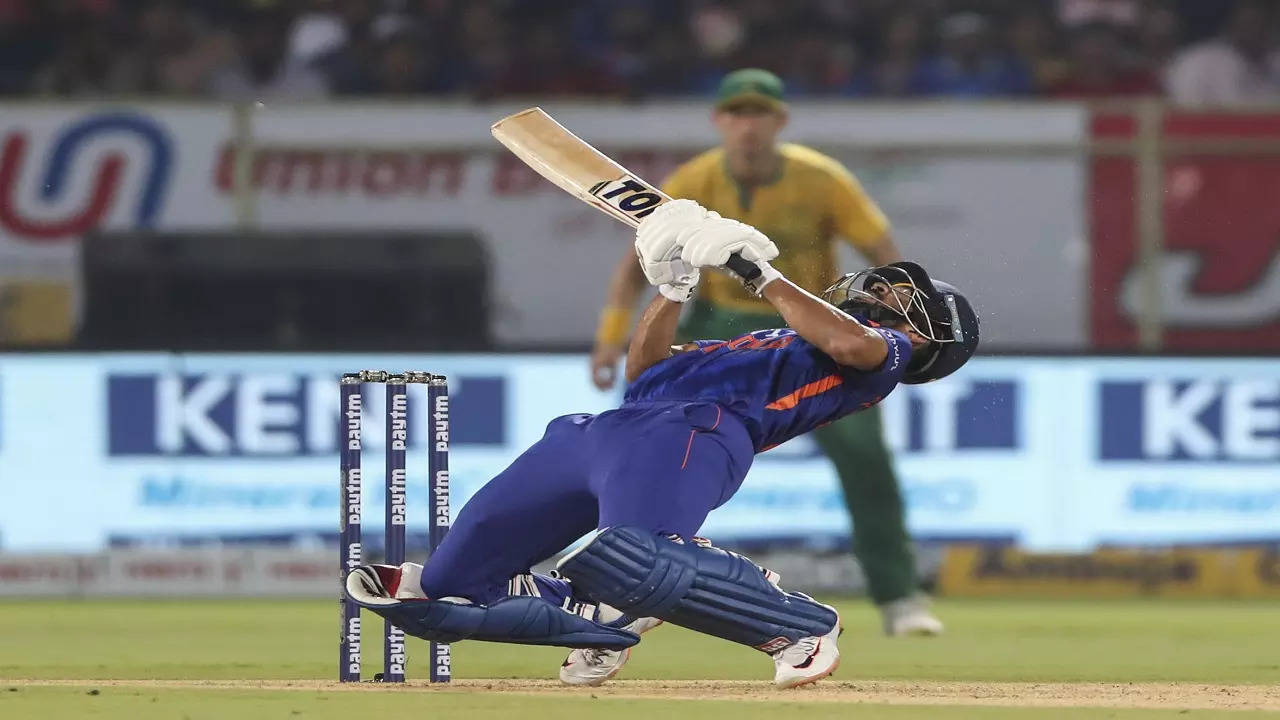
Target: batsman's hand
<point x="714" y="240"/>
<point x="658" y="243"/>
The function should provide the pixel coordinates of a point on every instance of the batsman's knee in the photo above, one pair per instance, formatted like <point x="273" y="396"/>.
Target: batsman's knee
<point x="707" y="589"/>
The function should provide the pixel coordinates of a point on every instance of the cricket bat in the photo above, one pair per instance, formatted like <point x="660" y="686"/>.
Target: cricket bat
<point x="586" y="173"/>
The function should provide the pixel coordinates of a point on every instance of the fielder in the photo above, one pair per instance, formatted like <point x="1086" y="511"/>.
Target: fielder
<point x="645" y="476"/>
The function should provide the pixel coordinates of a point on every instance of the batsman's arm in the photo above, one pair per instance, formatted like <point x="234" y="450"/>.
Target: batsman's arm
<point x="745" y="251"/>
<point x="843" y="339"/>
<point x="651" y="341"/>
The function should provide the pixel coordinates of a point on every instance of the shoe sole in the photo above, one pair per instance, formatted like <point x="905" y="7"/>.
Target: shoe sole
<point x="810" y="680"/>
<point x="813" y="679"/>
<point x="625" y="658"/>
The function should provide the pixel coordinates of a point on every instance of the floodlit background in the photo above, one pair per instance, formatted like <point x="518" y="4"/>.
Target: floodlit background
<point x="208" y="210"/>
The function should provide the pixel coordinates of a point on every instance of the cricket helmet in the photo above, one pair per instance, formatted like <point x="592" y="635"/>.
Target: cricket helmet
<point x="903" y="291"/>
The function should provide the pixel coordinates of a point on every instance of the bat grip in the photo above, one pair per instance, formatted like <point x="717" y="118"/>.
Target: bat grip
<point x="744" y="268"/>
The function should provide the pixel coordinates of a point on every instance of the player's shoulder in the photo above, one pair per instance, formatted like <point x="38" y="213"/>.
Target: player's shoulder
<point x="699" y="166"/>
<point x="812" y="162"/>
<point x="898" y="355"/>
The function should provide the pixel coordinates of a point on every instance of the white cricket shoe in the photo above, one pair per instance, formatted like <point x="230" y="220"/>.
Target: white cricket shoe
<point x="807" y="661"/>
<point x="594" y="666"/>
<point x="910" y="616"/>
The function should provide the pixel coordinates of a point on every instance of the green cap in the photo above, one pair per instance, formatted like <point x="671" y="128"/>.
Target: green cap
<point x="750" y="86"/>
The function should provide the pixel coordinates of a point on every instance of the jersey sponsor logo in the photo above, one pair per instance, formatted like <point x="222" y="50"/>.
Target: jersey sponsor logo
<point x="758" y="340"/>
<point x="1189" y="420"/>
<point x="282" y="415"/>
<point x="895" y="352"/>
<point x="56" y="174"/>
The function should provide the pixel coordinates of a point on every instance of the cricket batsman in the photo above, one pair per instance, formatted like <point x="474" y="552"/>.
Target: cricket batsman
<point x="805" y="202"/>
<point x="645" y="475"/>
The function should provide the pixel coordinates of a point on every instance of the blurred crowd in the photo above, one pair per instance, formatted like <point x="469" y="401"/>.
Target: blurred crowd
<point x="1193" y="51"/>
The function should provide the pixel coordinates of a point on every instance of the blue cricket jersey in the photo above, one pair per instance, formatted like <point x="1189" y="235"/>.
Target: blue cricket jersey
<point x="776" y="381"/>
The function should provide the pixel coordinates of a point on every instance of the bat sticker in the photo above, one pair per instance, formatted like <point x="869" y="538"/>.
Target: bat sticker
<point x="628" y="196"/>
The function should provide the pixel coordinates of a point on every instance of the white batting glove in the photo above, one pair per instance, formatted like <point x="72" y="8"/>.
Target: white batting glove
<point x="715" y="240"/>
<point x="667" y="227"/>
<point x="658" y="241"/>
<point x="682" y="288"/>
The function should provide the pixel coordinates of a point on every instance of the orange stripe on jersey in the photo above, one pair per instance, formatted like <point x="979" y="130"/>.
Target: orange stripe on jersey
<point x="817" y="387"/>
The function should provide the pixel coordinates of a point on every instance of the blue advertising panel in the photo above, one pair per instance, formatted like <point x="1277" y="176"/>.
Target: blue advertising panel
<point x="1052" y="453"/>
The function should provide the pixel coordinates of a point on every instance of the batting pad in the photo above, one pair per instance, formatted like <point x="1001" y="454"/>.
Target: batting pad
<point x="707" y="589"/>
<point x="519" y="620"/>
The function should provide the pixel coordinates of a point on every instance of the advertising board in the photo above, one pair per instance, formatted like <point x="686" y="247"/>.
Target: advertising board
<point x="1049" y="453"/>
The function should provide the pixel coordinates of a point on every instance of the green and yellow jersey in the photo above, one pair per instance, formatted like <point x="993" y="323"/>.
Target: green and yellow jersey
<point x="813" y="201"/>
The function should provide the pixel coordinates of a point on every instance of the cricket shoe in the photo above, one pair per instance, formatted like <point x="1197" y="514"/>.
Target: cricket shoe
<point x="379" y="584"/>
<point x="910" y="615"/>
<point x="594" y="666"/>
<point x="808" y="660"/>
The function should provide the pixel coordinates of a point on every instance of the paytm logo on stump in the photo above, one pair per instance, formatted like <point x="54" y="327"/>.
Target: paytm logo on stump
<point x="1190" y="420"/>
<point x="274" y="414"/>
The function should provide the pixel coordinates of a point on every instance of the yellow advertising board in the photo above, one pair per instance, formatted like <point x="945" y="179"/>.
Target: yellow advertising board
<point x="1258" y="573"/>
<point x="35" y="312"/>
<point x="988" y="571"/>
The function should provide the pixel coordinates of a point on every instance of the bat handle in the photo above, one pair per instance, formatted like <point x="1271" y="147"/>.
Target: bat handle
<point x="744" y="268"/>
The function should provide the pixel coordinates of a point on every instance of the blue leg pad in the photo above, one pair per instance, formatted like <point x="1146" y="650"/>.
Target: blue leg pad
<point x="520" y="620"/>
<point x="706" y="589"/>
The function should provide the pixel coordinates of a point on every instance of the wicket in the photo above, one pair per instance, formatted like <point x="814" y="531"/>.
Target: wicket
<point x="350" y="548"/>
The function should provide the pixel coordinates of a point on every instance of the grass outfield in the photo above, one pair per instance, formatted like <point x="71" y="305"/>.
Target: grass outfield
<point x="265" y="658"/>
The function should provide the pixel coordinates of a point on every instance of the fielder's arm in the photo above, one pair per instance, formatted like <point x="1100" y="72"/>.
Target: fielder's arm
<point x="625" y="286"/>
<point x="651" y="341"/>
<point x="881" y="252"/>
